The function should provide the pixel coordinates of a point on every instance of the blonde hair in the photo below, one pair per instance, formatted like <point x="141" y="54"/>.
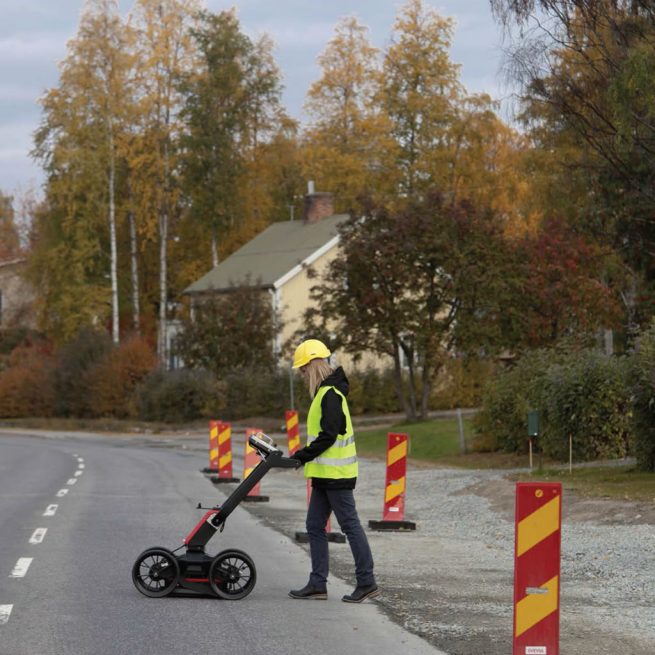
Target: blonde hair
<point x="317" y="371"/>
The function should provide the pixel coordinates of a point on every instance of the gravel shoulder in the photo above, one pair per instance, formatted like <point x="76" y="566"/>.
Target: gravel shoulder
<point x="451" y="581"/>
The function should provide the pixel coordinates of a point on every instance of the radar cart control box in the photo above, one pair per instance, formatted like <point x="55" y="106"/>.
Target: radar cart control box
<point x="231" y="574"/>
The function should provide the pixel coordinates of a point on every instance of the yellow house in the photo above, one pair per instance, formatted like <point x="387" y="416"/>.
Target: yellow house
<point x="277" y="261"/>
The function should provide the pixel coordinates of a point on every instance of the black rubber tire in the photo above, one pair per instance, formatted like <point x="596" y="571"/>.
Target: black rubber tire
<point x="232" y="574"/>
<point x="147" y="573"/>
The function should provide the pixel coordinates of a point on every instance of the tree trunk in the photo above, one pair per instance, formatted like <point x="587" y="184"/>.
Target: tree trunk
<point x="412" y="385"/>
<point x="163" y="263"/>
<point x="134" y="265"/>
<point x="214" y="248"/>
<point x="163" y="251"/>
<point x="425" y="392"/>
<point x="410" y="413"/>
<point x="112" y="240"/>
<point x="408" y="351"/>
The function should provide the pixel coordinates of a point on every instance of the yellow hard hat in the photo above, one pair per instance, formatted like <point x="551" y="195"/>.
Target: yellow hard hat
<point x="308" y="350"/>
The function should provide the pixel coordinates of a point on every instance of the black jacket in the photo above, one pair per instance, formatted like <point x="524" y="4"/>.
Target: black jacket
<point x="333" y="423"/>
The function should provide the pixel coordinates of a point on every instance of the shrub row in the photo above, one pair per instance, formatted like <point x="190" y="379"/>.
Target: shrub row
<point x="642" y="384"/>
<point x="604" y="405"/>
<point x="90" y="377"/>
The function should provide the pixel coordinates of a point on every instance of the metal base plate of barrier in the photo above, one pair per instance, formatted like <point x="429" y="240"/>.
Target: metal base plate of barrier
<point x="217" y="480"/>
<point x="335" y="537"/>
<point x="392" y="526"/>
<point x="256" y="499"/>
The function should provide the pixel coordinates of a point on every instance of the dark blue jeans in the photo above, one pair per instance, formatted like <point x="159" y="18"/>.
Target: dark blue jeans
<point x="342" y="503"/>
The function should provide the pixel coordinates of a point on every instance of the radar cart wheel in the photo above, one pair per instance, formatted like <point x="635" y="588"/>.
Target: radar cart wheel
<point x="232" y="575"/>
<point x="156" y="572"/>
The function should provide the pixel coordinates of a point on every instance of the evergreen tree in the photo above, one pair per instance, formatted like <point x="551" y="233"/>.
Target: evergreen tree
<point x="232" y="101"/>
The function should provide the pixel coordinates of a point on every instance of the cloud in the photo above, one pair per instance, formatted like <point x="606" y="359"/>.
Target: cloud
<point x="19" y="93"/>
<point x="33" y="47"/>
<point x="286" y="34"/>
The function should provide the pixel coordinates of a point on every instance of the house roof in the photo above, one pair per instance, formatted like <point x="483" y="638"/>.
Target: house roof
<point x="274" y="256"/>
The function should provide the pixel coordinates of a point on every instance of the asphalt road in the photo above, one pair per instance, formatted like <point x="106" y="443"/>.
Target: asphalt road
<point x="76" y="511"/>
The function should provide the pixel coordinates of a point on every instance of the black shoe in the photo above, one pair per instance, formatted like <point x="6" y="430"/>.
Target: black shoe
<point x="309" y="592"/>
<point x="362" y="593"/>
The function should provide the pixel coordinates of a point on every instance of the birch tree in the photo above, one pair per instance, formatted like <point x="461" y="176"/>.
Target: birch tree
<point x="78" y="144"/>
<point x="165" y="53"/>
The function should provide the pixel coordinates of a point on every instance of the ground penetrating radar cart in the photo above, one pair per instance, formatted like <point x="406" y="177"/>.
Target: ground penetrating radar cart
<point x="231" y="574"/>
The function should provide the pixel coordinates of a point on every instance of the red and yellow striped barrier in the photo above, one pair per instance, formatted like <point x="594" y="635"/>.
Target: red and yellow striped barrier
<point x="393" y="513"/>
<point x="213" y="448"/>
<point x="293" y="430"/>
<point x="250" y="460"/>
<point x="224" y="457"/>
<point x="537" y="568"/>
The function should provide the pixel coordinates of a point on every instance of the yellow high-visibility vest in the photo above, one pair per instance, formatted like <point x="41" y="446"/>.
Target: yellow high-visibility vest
<point x="340" y="459"/>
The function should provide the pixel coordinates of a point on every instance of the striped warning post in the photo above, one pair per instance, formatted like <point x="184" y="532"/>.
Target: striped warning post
<point x="537" y="568"/>
<point x="336" y="537"/>
<point x="293" y="430"/>
<point x="213" y="448"/>
<point x="393" y="513"/>
<point x="224" y="455"/>
<point x="250" y="460"/>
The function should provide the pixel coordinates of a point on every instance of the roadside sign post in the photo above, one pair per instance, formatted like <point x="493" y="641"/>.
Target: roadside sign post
<point x="533" y="430"/>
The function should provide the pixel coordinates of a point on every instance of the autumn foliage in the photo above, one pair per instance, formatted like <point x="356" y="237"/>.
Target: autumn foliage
<point x="26" y="385"/>
<point x="113" y="381"/>
<point x="564" y="290"/>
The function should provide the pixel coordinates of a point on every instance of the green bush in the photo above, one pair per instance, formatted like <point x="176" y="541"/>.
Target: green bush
<point x="75" y="361"/>
<point x="580" y="394"/>
<point x="586" y="398"/>
<point x="176" y="396"/>
<point x="372" y="392"/>
<point x="501" y="424"/>
<point x="642" y="385"/>
<point x="461" y="383"/>
<point x="251" y="392"/>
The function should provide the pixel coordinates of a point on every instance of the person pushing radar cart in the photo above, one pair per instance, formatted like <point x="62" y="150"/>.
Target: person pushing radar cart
<point x="330" y="462"/>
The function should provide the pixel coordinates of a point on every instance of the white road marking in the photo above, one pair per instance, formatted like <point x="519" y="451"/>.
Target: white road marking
<point x="21" y="567"/>
<point x="72" y="481"/>
<point x="50" y="510"/>
<point x="80" y="466"/>
<point x="38" y="535"/>
<point x="78" y="473"/>
<point x="5" y="611"/>
<point x="62" y="492"/>
<point x="80" y="459"/>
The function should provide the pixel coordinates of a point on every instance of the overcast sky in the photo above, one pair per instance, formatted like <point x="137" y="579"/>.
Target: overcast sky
<point x="33" y="36"/>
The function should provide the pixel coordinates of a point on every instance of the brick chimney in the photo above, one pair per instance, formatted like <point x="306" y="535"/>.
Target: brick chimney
<point x="317" y="205"/>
